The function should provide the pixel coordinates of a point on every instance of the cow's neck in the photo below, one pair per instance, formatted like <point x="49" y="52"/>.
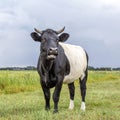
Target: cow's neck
<point x="47" y="65"/>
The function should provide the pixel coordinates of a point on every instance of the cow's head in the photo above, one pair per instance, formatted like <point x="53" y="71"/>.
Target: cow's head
<point x="49" y="41"/>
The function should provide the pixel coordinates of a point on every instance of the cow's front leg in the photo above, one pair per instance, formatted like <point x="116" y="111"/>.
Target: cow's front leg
<point x="46" y="91"/>
<point x="56" y="93"/>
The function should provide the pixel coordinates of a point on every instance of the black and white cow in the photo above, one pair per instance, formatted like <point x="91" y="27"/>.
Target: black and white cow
<point x="60" y="63"/>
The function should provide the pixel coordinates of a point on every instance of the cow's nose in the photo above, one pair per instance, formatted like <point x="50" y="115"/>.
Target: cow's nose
<point x="53" y="51"/>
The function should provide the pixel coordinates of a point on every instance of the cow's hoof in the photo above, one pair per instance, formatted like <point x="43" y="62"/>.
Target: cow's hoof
<point x="83" y="106"/>
<point x="55" y="111"/>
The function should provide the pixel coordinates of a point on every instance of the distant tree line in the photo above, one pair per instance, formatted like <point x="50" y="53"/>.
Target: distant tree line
<point x="34" y="68"/>
<point x="19" y="68"/>
<point x="103" y="68"/>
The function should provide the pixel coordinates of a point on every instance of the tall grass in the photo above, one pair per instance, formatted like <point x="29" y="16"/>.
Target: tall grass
<point x="18" y="81"/>
<point x="98" y="76"/>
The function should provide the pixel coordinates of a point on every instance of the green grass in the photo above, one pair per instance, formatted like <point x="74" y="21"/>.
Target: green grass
<point x="102" y="99"/>
<point x="18" y="81"/>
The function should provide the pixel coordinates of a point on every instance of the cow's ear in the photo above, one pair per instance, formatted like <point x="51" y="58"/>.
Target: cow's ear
<point x="35" y="36"/>
<point x="63" y="37"/>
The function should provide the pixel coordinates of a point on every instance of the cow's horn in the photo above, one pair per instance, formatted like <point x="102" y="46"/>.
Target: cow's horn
<point x="58" y="32"/>
<point x="38" y="31"/>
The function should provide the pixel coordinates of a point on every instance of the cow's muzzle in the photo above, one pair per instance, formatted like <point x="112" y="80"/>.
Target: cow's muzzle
<point x="52" y="53"/>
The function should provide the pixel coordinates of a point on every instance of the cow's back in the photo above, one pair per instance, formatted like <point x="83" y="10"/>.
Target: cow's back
<point x="78" y="62"/>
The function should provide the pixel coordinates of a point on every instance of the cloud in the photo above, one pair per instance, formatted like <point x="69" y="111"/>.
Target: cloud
<point x="92" y="24"/>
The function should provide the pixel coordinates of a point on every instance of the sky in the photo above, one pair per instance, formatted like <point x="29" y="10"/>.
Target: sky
<point x="92" y="24"/>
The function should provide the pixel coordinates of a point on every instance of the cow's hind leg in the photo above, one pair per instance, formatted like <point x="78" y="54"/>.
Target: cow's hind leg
<point x="83" y="81"/>
<point x="72" y="93"/>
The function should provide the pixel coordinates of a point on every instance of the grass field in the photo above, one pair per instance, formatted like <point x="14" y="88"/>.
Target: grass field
<point x="21" y="98"/>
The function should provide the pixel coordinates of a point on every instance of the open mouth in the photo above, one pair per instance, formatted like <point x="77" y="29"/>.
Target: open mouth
<point x="51" y="57"/>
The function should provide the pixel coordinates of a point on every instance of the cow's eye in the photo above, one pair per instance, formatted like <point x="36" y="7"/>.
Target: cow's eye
<point x="57" y="42"/>
<point x="57" y="39"/>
